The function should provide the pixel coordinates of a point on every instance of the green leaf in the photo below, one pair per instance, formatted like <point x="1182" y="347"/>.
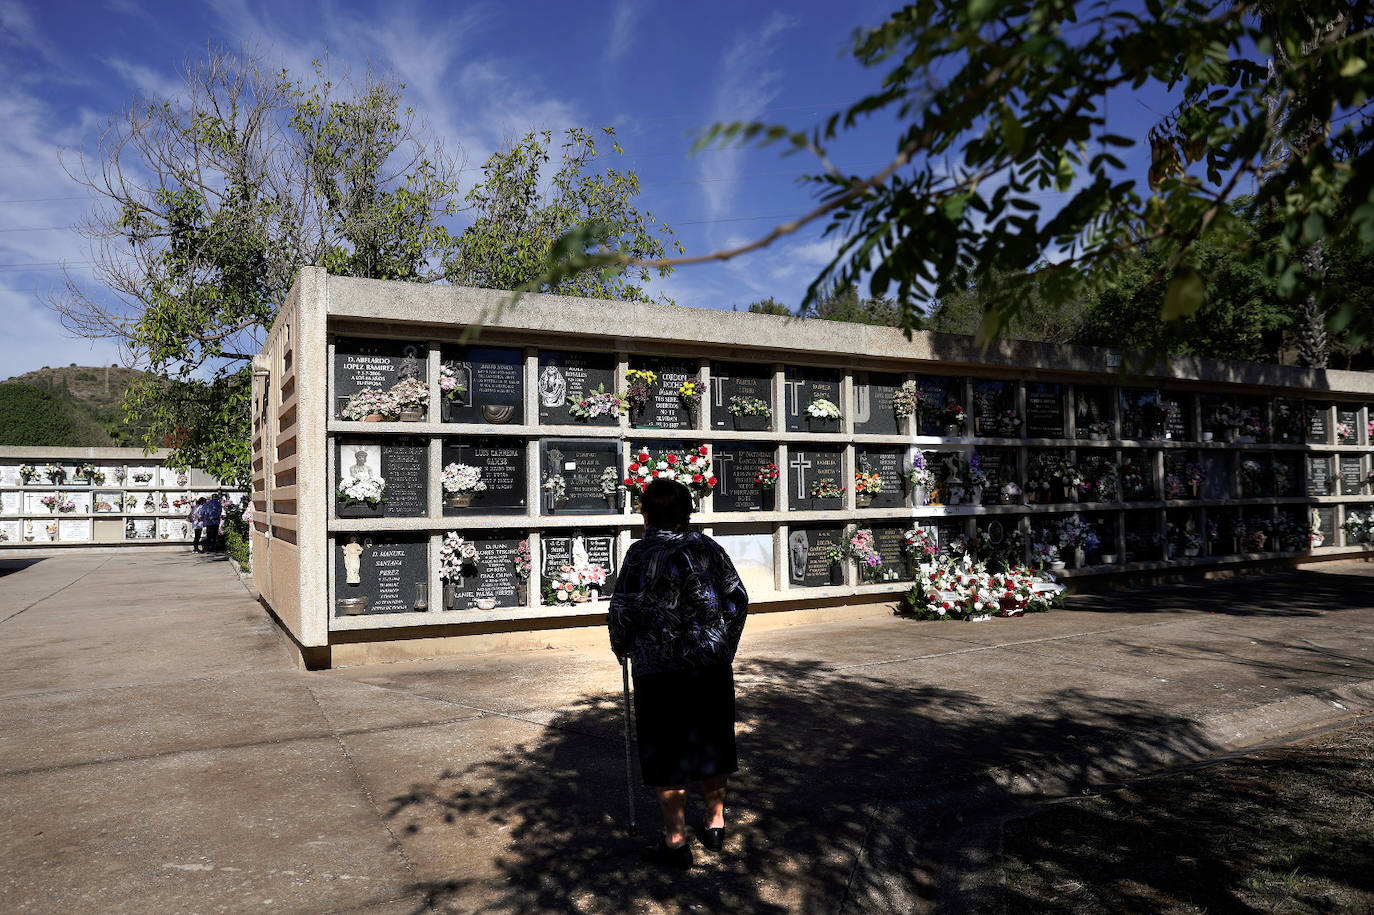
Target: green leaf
<point x="1353" y="67"/>
<point x="1184" y="295"/>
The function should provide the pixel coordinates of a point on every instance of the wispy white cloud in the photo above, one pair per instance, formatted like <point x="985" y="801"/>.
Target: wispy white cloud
<point x="744" y="89"/>
<point x="627" y="13"/>
<point x="148" y="82"/>
<point x="18" y="30"/>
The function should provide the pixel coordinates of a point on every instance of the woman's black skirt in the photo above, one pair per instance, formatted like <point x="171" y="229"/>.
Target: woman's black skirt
<point x="686" y="725"/>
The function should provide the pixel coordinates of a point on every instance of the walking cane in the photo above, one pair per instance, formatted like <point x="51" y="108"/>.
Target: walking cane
<point x="629" y="770"/>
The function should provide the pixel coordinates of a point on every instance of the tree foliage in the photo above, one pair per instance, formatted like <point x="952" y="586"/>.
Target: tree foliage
<point x="1001" y="102"/>
<point x="30" y="416"/>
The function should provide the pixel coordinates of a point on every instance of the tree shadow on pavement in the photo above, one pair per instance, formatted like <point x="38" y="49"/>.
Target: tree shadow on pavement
<point x="1298" y="593"/>
<point x="855" y="794"/>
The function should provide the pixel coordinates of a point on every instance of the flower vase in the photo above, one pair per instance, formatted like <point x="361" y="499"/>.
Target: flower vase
<point x="836" y="573"/>
<point x="458" y="499"/>
<point x="919" y="497"/>
<point x="822" y="424"/>
<point x="751" y="423"/>
<point x="1231" y="435"/>
<point x="956" y="495"/>
<point x="1056" y="565"/>
<point x="613" y="502"/>
<point x="412" y="414"/>
<point x="976" y="496"/>
<point x="1079" y="560"/>
<point x="551" y="503"/>
<point x="1195" y="488"/>
<point x="522" y="593"/>
<point x="452" y="599"/>
<point x="374" y="418"/>
<point x="862" y="500"/>
<point x="768" y="498"/>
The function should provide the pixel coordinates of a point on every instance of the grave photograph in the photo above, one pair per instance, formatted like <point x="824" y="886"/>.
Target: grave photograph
<point x="579" y="566"/>
<point x="815" y="556"/>
<point x="382" y="479"/>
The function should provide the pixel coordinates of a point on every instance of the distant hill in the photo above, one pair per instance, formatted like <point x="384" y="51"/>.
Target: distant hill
<point x="79" y="406"/>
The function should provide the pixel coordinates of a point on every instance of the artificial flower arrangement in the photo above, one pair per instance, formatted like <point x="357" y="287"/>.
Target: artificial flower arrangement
<point x="58" y="503"/>
<point x="691" y="468"/>
<point x="1102" y="486"/>
<point x="352" y="491"/>
<point x="27" y="473"/>
<point x="451" y="387"/>
<point x="1100" y="430"/>
<point x="1251" y="479"/>
<point x="457" y="557"/>
<point x="523" y="561"/>
<point x="918" y="543"/>
<point x="1010" y="492"/>
<point x="1134" y="480"/>
<point x="119" y="474"/>
<point x="1255" y="536"/>
<point x="689" y="392"/>
<point x="1173" y="486"/>
<point x="181" y="502"/>
<point x="130" y="503"/>
<point x="1193" y="474"/>
<point x="867" y="483"/>
<point x="863" y="548"/>
<point x="1072" y="534"/>
<point x="143" y="477"/>
<point x="1050" y="470"/>
<point x="1287" y="420"/>
<point x="556" y="487"/>
<point x="1345" y="433"/>
<point x="822" y="408"/>
<point x="918" y="475"/>
<point x="1283" y="479"/>
<point x="1007" y="423"/>
<point x="1229" y="416"/>
<point x="54" y="473"/>
<point x="639" y="387"/>
<point x="462" y="479"/>
<point x="410" y="394"/>
<point x="748" y="406"/>
<point x="826" y="489"/>
<point x="1252" y="424"/>
<point x="954" y="416"/>
<point x="574" y="584"/>
<point x="370" y="405"/>
<point x="973" y="472"/>
<point x="768" y="475"/>
<point x="599" y="402"/>
<point x="87" y="472"/>
<point x="1291" y="534"/>
<point x="908" y="399"/>
<point x="960" y="588"/>
<point x="1359" y="528"/>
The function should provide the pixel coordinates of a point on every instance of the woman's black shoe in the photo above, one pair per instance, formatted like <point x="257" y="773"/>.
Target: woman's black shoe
<point x="663" y="855"/>
<point x="713" y="838"/>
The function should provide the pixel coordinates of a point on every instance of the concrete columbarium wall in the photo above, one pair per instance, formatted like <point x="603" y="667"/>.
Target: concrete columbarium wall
<point x="133" y="499"/>
<point x="336" y="335"/>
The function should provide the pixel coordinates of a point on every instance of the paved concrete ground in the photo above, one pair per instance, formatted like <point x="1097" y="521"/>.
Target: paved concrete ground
<point x="161" y="751"/>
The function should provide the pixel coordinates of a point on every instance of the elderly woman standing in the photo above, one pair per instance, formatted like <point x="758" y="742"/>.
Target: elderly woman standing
<point x="678" y="612"/>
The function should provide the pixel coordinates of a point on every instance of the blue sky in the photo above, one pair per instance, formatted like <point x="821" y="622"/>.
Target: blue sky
<point x="480" y="73"/>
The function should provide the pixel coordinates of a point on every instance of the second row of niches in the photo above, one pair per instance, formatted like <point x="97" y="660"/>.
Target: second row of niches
<point x="389" y="477"/>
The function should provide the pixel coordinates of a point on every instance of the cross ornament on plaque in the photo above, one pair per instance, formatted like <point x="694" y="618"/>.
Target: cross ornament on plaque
<point x="802" y="465"/>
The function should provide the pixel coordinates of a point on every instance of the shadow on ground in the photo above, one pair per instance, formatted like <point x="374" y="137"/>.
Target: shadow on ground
<point x="833" y="765"/>
<point x="1282" y="831"/>
<point x="1304" y="592"/>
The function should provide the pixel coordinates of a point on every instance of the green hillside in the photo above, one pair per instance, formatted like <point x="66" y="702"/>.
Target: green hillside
<point x="67" y="406"/>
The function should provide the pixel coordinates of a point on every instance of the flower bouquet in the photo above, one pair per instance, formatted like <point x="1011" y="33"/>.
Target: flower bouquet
<point x="1077" y="537"/>
<point x="1359" y="528"/>
<point x="826" y="489"/>
<point x="610" y="487"/>
<point x="822" y="415"/>
<point x="461" y="482"/>
<point x="143" y="478"/>
<point x="27" y="473"/>
<point x="1135" y="481"/>
<point x="371" y="491"/>
<point x="867" y="484"/>
<point x="954" y="418"/>
<point x="1100" y="430"/>
<point x="598" y="403"/>
<point x="555" y="489"/>
<point x="576" y="585"/>
<point x="751" y="414"/>
<point x="1008" y="423"/>
<point x="767" y="478"/>
<point x="458" y="558"/>
<point x="54" y="473"/>
<point x="88" y="473"/>
<point x="523" y="562"/>
<point x="1345" y="433"/>
<point x="834" y="558"/>
<point x="640" y="385"/>
<point x="689" y="392"/>
<point x="920" y="480"/>
<point x="411" y="396"/>
<point x="452" y="388"/>
<point x="908" y="399"/>
<point x="1251" y="479"/>
<point x="371" y="406"/>
<point x="862" y="547"/>
<point x="691" y="468"/>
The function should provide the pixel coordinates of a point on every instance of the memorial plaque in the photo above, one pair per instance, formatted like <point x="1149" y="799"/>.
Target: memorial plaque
<point x="801" y="383"/>
<point x="169" y="478"/>
<point x="1352" y="475"/>
<point x="495" y="578"/>
<point x="1138" y="477"/>
<point x="1324" y="521"/>
<point x="173" y="529"/>
<point x="1104" y="524"/>
<point x="994" y="408"/>
<point x="43" y="531"/>
<point x="873" y="413"/>
<point x="74" y="530"/>
<point x="502" y="462"/>
<point x="752" y="556"/>
<point x="70" y="478"/>
<point x="737" y="467"/>
<point x="999" y="466"/>
<point x="1141" y="528"/>
<point x="887" y="462"/>
<point x="1141" y="416"/>
<point x="811" y="466"/>
<point x="665" y="409"/>
<point x="491" y="385"/>
<point x="808" y="564"/>
<point x="1218" y="469"/>
<point x="558" y="551"/>
<point x="140" y="529"/>
<point x="580" y="463"/>
<point x="9" y="475"/>
<point x="737" y="379"/>
<point x="401" y="461"/>
<point x="1348" y="426"/>
<point x="566" y="377"/>
<point x="392" y="572"/>
<point x="11" y="503"/>
<point x="1092" y="410"/>
<point x="1287" y="472"/>
<point x="1319" y="476"/>
<point x="888" y="540"/>
<point x="1094" y="465"/>
<point x="1044" y="410"/>
<point x="11" y="532"/>
<point x="1288" y="420"/>
<point x="141" y="477"/>
<point x="1317" y="431"/>
<point x="937" y="392"/>
<point x="82" y="501"/>
<point x="1178" y="421"/>
<point x="376" y="365"/>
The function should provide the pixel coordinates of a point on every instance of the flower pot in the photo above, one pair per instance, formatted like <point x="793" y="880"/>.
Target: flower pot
<point x="458" y="499"/>
<point x="953" y="431"/>
<point x="412" y="414"/>
<point x="1056" y="565"/>
<point x="1206" y="436"/>
<point x="351" y="606"/>
<point x="751" y="423"/>
<point x="836" y="574"/>
<point x="822" y="424"/>
<point x="976" y="496"/>
<point x="768" y="497"/>
<point x="374" y="418"/>
<point x="862" y="500"/>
